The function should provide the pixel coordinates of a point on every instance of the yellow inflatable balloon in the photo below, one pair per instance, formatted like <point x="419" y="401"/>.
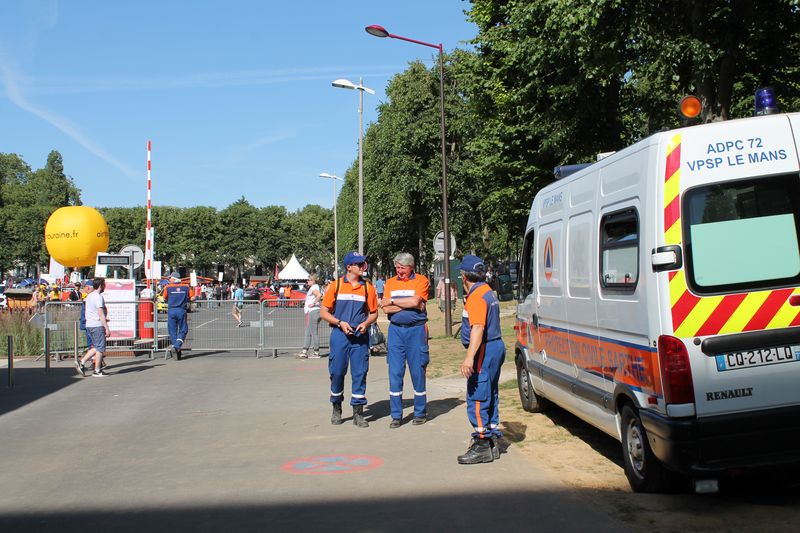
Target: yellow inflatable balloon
<point x="74" y="235"/>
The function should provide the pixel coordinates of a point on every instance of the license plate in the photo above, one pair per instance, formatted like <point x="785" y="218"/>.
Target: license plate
<point x="761" y="357"/>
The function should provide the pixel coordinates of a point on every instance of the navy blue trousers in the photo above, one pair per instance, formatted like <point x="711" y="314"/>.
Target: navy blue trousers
<point x="482" y="393"/>
<point x="352" y="350"/>
<point x="407" y="346"/>
<point x="177" y="326"/>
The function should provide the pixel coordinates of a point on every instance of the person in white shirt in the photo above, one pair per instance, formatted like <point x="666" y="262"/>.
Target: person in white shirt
<point x="311" y="310"/>
<point x="96" y="328"/>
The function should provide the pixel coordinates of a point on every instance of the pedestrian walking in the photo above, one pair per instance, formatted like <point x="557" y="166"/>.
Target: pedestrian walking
<point x="96" y="329"/>
<point x="380" y="284"/>
<point x="350" y="306"/>
<point x="480" y="335"/>
<point x="311" y="311"/>
<point x="440" y="294"/>
<point x="405" y="303"/>
<point x="238" y="304"/>
<point x="178" y="296"/>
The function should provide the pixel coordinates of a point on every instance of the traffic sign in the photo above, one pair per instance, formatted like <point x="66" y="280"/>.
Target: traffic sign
<point x="438" y="243"/>
<point x="136" y="253"/>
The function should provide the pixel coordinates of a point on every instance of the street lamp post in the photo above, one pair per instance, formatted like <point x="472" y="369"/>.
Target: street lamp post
<point x="347" y="84"/>
<point x="380" y="31"/>
<point x="333" y="179"/>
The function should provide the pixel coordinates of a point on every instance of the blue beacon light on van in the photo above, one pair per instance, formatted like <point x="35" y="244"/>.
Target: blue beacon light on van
<point x="766" y="103"/>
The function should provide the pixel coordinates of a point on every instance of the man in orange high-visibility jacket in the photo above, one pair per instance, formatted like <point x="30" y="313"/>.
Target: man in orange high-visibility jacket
<point x="350" y="306"/>
<point x="178" y="296"/>
<point x="405" y="297"/>
<point x="480" y="335"/>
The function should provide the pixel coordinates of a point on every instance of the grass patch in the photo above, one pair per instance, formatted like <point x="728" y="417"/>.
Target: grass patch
<point x="447" y="353"/>
<point x="27" y="338"/>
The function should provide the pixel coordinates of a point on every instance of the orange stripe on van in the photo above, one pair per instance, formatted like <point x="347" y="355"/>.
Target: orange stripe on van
<point x="610" y="359"/>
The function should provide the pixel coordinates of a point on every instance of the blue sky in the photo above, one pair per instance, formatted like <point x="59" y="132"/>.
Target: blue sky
<point x="235" y="96"/>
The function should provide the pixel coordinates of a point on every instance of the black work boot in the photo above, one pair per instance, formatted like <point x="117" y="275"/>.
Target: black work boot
<point x="495" y="447"/>
<point x="358" y="416"/>
<point x="479" y="452"/>
<point x="336" y="416"/>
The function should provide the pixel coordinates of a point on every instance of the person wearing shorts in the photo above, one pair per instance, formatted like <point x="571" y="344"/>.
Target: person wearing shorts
<point x="96" y="329"/>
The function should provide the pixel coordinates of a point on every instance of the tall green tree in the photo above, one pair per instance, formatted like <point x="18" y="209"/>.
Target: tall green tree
<point x="557" y="81"/>
<point x="27" y="199"/>
<point x="310" y="232"/>
<point x="239" y="233"/>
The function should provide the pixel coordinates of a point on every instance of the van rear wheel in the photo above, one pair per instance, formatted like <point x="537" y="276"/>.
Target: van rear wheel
<point x="644" y="471"/>
<point x="531" y="402"/>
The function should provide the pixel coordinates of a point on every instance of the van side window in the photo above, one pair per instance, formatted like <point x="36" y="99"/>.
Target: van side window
<point x="526" y="264"/>
<point x="619" y="250"/>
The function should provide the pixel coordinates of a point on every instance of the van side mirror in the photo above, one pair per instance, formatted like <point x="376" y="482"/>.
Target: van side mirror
<point x="666" y="258"/>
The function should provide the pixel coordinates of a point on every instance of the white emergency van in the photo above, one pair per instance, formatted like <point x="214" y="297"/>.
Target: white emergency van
<point x="660" y="300"/>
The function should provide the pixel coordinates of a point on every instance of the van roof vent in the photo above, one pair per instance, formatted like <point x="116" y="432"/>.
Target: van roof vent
<point x="563" y="171"/>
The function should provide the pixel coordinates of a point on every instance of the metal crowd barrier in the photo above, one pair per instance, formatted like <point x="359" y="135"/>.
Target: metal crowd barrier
<point x="136" y="329"/>
<point x="283" y="326"/>
<point x="139" y="328"/>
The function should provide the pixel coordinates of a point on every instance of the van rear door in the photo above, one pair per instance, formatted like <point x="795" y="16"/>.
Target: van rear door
<point x="735" y="209"/>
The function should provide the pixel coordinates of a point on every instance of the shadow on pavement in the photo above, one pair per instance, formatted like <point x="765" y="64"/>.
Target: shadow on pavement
<point x="523" y="510"/>
<point x="603" y="444"/>
<point x="116" y="369"/>
<point x="380" y="409"/>
<point x="31" y="384"/>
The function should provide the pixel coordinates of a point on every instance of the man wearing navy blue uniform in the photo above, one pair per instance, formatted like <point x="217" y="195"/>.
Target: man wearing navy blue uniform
<point x="404" y="302"/>
<point x="178" y="296"/>
<point x="350" y="306"/>
<point x="480" y="335"/>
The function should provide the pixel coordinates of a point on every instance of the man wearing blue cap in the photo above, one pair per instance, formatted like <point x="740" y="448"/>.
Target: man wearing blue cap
<point x="480" y="335"/>
<point x="178" y="298"/>
<point x="350" y="306"/>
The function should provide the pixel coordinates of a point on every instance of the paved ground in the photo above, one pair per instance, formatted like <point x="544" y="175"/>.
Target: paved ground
<point x="213" y="443"/>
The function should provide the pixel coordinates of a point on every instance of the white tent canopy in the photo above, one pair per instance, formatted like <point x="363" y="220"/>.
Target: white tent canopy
<point x="293" y="270"/>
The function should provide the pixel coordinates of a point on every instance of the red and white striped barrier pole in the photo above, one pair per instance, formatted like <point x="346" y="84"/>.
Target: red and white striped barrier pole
<point x="148" y="254"/>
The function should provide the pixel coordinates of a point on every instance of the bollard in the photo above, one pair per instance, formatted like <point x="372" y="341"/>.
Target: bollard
<point x="10" y="362"/>
<point x="46" y="350"/>
<point x="75" y="344"/>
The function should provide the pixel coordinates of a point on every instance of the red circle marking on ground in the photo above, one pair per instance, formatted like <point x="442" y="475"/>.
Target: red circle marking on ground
<point x="332" y="464"/>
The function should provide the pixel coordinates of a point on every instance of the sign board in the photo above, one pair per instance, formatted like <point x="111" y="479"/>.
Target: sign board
<point x="56" y="269"/>
<point x="438" y="243"/>
<point x="120" y="296"/>
<point x="156" y="270"/>
<point x="219" y="276"/>
<point x="113" y="260"/>
<point x="136" y="253"/>
<point x="193" y="279"/>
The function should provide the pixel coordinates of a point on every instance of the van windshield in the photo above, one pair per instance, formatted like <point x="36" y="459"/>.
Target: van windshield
<point x="743" y="235"/>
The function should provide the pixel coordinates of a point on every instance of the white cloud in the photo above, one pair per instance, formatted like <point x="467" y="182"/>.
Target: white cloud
<point x="61" y="85"/>
<point x="11" y="81"/>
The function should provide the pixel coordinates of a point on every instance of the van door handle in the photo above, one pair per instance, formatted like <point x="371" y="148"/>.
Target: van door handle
<point x="666" y="258"/>
<point x="535" y="320"/>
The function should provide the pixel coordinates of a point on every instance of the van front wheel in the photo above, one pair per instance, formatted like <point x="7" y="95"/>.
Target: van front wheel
<point x="644" y="471"/>
<point x="531" y="402"/>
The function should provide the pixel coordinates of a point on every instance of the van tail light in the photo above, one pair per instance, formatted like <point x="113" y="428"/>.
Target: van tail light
<point x="676" y="372"/>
